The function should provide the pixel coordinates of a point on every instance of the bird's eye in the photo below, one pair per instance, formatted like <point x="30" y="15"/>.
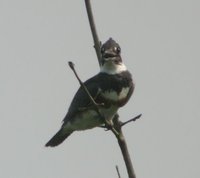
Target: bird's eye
<point x="102" y="50"/>
<point x="118" y="49"/>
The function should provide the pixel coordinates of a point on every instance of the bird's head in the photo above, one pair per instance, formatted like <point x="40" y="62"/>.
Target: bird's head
<point x="111" y="61"/>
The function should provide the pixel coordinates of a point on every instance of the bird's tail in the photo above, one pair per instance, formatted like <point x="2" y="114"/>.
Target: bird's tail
<point x="58" y="138"/>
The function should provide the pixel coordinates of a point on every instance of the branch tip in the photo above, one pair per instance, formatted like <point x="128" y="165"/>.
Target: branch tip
<point x="131" y="120"/>
<point x="71" y="64"/>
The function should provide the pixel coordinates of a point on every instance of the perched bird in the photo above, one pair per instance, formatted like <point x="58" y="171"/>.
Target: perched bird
<point x="112" y="86"/>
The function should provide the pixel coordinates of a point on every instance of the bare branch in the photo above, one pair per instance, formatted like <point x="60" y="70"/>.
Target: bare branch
<point x="97" y="43"/>
<point x="116" y="129"/>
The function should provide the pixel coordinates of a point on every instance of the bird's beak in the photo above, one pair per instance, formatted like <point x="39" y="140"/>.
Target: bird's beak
<point x="109" y="54"/>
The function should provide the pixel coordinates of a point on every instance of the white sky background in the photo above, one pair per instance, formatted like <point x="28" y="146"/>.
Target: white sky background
<point x="160" y="43"/>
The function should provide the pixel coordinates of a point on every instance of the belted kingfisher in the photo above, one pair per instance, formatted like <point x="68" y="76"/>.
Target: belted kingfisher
<point x="112" y="86"/>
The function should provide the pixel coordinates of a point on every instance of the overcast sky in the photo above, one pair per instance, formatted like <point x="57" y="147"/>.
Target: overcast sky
<point x="160" y="43"/>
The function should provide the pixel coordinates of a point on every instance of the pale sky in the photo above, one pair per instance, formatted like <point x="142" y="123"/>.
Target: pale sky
<point x="160" y="43"/>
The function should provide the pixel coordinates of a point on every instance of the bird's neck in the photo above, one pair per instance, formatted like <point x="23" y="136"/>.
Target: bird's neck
<point x="112" y="69"/>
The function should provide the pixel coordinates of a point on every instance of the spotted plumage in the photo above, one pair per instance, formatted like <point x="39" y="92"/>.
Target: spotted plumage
<point x="112" y="86"/>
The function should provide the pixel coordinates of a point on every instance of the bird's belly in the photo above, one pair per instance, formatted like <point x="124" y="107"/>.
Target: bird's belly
<point x="90" y="119"/>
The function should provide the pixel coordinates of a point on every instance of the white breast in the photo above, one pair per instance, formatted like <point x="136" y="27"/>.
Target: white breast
<point x="112" y="95"/>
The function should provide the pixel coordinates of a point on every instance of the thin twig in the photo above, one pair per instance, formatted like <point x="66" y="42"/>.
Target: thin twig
<point x="131" y="120"/>
<point x="121" y="124"/>
<point x="71" y="65"/>
<point x="96" y="105"/>
<point x="118" y="173"/>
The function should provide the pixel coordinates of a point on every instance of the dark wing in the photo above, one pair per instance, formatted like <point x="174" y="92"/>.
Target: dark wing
<point x="81" y="98"/>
